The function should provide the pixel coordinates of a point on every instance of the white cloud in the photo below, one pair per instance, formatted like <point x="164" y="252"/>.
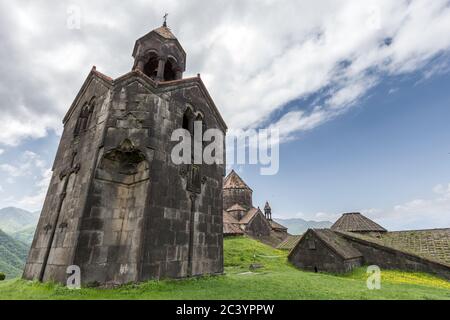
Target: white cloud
<point x="31" y="172"/>
<point x="32" y="158"/>
<point x="2" y="151"/>
<point x="300" y="121"/>
<point x="392" y="90"/>
<point x="10" y="170"/>
<point x="424" y="213"/>
<point x="22" y="124"/>
<point x="28" y="162"/>
<point x="254" y="58"/>
<point x="36" y="201"/>
<point x="322" y="216"/>
<point x="431" y="213"/>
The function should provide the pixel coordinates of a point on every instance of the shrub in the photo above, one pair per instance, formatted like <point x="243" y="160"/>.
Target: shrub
<point x="2" y="276"/>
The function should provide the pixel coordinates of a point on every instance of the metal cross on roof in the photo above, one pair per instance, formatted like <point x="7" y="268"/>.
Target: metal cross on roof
<point x="165" y="19"/>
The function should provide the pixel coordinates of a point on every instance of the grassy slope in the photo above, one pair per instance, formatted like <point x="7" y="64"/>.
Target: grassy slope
<point x="276" y="280"/>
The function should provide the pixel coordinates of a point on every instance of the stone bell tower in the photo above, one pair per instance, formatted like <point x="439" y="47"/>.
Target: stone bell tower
<point x="117" y="206"/>
<point x="268" y="211"/>
<point x="167" y="62"/>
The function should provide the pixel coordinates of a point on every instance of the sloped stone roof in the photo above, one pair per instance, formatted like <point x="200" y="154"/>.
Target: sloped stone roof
<point x="232" y="229"/>
<point x="276" y="225"/>
<point x="231" y="225"/>
<point x="337" y="243"/>
<point x="432" y="244"/>
<point x="290" y="242"/>
<point x="234" y="181"/>
<point x="228" y="218"/>
<point x="356" y="222"/>
<point x="165" y="32"/>
<point x="249" y="216"/>
<point x="236" y="207"/>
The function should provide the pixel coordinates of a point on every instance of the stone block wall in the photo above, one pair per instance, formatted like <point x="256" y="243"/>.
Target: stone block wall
<point x="174" y="247"/>
<point x="240" y="196"/>
<point x="258" y="227"/>
<point x="388" y="258"/>
<point x="68" y="189"/>
<point x="127" y="213"/>
<point x="313" y="255"/>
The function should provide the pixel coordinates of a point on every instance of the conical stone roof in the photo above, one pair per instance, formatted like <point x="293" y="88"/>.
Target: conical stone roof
<point x="165" y="33"/>
<point x="234" y="181"/>
<point x="356" y="222"/>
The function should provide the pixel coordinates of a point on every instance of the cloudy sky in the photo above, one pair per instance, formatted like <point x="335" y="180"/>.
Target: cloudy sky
<point x="358" y="89"/>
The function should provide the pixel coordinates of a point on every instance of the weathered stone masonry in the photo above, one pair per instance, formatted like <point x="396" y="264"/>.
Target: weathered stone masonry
<point x="354" y="240"/>
<point x="117" y="206"/>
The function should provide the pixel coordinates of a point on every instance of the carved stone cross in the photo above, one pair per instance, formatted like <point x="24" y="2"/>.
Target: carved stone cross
<point x="68" y="171"/>
<point x="51" y="227"/>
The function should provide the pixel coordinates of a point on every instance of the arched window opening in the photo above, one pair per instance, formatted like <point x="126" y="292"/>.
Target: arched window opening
<point x="185" y="122"/>
<point x="204" y="128"/>
<point x="199" y="118"/>
<point x="77" y="130"/>
<point x="82" y="121"/>
<point x="90" y="111"/>
<point x="84" y="117"/>
<point x="169" y="73"/>
<point x="188" y="123"/>
<point x="151" y="67"/>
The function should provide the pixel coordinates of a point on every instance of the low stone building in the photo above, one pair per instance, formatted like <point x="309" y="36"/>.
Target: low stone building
<point x="324" y="250"/>
<point x="241" y="217"/>
<point x="354" y="240"/>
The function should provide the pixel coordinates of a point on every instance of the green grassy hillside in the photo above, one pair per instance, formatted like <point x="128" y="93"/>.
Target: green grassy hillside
<point x="24" y="235"/>
<point x="13" y="254"/>
<point x="277" y="279"/>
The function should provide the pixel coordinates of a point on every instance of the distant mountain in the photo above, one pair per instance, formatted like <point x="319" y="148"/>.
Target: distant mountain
<point x="24" y="235"/>
<point x="13" y="255"/>
<point x="299" y="226"/>
<point x="14" y="220"/>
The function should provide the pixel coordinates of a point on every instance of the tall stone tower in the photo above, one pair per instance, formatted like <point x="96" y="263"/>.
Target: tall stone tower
<point x="117" y="206"/>
<point x="236" y="191"/>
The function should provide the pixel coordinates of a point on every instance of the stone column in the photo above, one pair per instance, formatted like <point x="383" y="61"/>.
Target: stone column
<point x="178" y="73"/>
<point x="161" y="66"/>
<point x="140" y="65"/>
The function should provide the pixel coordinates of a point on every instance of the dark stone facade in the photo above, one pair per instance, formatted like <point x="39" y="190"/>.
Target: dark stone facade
<point x="241" y="217"/>
<point x="258" y="226"/>
<point x="314" y="254"/>
<point x="325" y="250"/>
<point x="237" y="195"/>
<point x="117" y="206"/>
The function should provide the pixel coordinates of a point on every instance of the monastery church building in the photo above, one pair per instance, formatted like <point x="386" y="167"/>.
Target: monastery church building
<point x="241" y="217"/>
